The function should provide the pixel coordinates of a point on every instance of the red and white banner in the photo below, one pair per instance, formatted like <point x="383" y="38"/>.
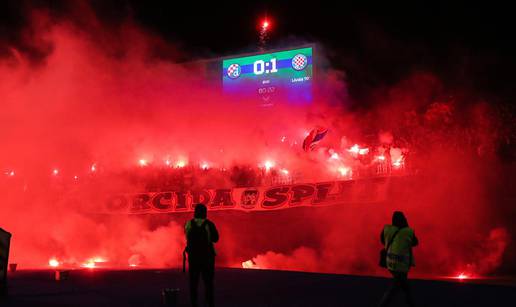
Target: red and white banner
<point x="253" y="198"/>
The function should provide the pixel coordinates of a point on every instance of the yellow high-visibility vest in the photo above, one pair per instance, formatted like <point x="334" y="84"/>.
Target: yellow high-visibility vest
<point x="399" y="254"/>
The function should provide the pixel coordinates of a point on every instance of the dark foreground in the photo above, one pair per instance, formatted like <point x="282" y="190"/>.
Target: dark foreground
<point x="240" y="288"/>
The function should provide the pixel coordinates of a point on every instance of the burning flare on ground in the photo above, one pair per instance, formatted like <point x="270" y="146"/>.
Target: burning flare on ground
<point x="93" y="262"/>
<point x="249" y="264"/>
<point x="53" y="263"/>
<point x="90" y="265"/>
<point x="463" y="276"/>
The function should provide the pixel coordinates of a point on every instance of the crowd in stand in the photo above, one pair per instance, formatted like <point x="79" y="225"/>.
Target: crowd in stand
<point x="155" y="178"/>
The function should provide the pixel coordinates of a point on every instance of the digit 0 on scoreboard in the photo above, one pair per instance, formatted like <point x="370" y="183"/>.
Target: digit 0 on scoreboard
<point x="289" y="72"/>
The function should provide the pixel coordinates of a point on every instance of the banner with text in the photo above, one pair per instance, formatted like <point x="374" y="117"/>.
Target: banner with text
<point x="253" y="198"/>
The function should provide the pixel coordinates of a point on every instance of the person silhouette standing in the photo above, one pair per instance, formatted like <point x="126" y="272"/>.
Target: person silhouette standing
<point x="201" y="233"/>
<point x="398" y="240"/>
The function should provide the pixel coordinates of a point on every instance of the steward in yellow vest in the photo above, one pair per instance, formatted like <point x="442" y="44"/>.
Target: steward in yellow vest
<point x="398" y="240"/>
<point x="399" y="254"/>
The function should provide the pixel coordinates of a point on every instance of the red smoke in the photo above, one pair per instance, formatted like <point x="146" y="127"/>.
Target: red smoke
<point x="100" y="98"/>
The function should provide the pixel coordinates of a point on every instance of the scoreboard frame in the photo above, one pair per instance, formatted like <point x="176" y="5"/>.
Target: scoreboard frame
<point x="253" y="84"/>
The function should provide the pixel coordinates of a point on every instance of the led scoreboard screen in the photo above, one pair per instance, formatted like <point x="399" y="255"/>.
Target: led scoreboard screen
<point x="276" y="76"/>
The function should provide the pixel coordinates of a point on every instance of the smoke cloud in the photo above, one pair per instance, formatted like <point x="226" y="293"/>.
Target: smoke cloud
<point x="99" y="98"/>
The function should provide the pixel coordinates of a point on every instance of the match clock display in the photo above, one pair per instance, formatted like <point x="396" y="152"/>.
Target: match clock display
<point x="281" y="76"/>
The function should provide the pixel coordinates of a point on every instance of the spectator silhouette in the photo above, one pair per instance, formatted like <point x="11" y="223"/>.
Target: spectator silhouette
<point x="399" y="238"/>
<point x="201" y="233"/>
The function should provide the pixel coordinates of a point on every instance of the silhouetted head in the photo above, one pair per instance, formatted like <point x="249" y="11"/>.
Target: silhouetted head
<point x="399" y="220"/>
<point x="200" y="211"/>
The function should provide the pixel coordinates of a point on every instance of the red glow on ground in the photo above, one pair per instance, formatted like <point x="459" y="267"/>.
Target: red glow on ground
<point x="462" y="276"/>
<point x="53" y="263"/>
<point x="99" y="259"/>
<point x="89" y="265"/>
<point x="94" y="262"/>
<point x="249" y="264"/>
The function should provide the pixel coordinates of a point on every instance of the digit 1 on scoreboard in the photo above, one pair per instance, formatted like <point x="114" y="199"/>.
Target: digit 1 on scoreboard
<point x="273" y="64"/>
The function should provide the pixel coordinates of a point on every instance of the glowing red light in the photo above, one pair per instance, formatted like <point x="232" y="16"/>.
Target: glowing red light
<point x="55" y="172"/>
<point x="249" y="264"/>
<point x="99" y="259"/>
<point x="90" y="264"/>
<point x="357" y="150"/>
<point x="462" y="276"/>
<point x="135" y="260"/>
<point x="397" y="163"/>
<point x="354" y="149"/>
<point x="344" y="171"/>
<point x="142" y="162"/>
<point x="53" y="263"/>
<point x="265" y="24"/>
<point x="268" y="165"/>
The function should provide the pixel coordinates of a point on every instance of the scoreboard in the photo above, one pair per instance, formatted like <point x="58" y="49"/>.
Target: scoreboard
<point x="271" y="77"/>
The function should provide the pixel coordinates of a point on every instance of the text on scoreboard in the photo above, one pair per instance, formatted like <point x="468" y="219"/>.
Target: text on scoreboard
<point x="283" y="75"/>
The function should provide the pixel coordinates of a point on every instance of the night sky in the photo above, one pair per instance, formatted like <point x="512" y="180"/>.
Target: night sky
<point x="468" y="46"/>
